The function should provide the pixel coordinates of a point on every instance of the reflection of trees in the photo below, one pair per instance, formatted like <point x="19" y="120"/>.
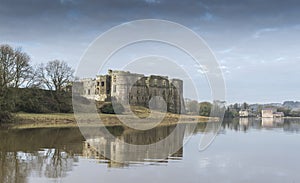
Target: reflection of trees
<point x="21" y="156"/>
<point x="11" y="169"/>
<point x="58" y="163"/>
<point x="292" y="125"/>
<point x="51" y="163"/>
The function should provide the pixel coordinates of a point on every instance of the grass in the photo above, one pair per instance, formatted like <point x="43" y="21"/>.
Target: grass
<point x="30" y="120"/>
<point x="58" y="116"/>
<point x="61" y="120"/>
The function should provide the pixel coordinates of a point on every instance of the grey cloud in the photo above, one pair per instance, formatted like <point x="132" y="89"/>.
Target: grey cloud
<point x="258" y="33"/>
<point x="64" y="28"/>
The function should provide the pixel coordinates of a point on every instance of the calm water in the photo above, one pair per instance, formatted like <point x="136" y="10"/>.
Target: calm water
<point x="245" y="150"/>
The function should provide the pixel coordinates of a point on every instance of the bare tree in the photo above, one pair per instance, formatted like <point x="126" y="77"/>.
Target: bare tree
<point x="14" y="72"/>
<point x="33" y="80"/>
<point x="15" y="69"/>
<point x="22" y="69"/>
<point x="55" y="75"/>
<point x="7" y="57"/>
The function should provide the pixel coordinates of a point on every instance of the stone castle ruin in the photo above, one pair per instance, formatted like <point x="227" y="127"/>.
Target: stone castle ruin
<point x="133" y="89"/>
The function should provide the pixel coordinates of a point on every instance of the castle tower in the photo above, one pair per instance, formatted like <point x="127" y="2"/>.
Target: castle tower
<point x="122" y="83"/>
<point x="103" y="88"/>
<point x="177" y="96"/>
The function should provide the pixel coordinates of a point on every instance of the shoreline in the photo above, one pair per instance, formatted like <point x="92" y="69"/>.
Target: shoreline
<point x="67" y="120"/>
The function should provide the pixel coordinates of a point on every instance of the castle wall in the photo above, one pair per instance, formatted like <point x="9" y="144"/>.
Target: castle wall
<point x="139" y="93"/>
<point x="136" y="89"/>
<point x="86" y="88"/>
<point x="121" y="85"/>
<point x="177" y="95"/>
<point x="103" y="88"/>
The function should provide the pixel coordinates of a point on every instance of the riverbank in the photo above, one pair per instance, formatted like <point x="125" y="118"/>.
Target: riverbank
<point x="62" y="120"/>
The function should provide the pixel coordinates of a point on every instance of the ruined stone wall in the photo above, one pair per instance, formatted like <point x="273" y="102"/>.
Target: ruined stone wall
<point x="136" y="89"/>
<point x="86" y="88"/>
<point x="170" y="90"/>
<point x="139" y="93"/>
<point x="177" y="96"/>
<point x="103" y="88"/>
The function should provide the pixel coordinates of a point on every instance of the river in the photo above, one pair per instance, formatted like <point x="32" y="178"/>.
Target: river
<point x="245" y="150"/>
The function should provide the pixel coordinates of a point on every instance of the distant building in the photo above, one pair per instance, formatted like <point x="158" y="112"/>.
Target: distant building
<point x="278" y="114"/>
<point x="244" y="113"/>
<point x="268" y="113"/>
<point x="271" y="113"/>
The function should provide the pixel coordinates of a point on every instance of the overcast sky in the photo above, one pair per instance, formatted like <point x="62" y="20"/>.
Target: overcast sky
<point x="256" y="42"/>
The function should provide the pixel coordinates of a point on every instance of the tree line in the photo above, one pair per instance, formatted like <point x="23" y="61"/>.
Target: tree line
<point x="23" y="85"/>
<point x="232" y="111"/>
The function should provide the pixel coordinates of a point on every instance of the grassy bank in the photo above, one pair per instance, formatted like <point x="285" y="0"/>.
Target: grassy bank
<point x="61" y="120"/>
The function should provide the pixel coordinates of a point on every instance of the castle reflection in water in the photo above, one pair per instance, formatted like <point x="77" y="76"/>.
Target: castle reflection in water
<point x="27" y="152"/>
<point x="102" y="147"/>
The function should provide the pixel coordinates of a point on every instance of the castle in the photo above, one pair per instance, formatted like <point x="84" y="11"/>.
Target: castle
<point x="133" y="89"/>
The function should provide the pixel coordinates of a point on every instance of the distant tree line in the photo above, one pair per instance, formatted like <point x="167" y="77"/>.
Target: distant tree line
<point x="232" y="111"/>
<point x="28" y="88"/>
<point x="214" y="109"/>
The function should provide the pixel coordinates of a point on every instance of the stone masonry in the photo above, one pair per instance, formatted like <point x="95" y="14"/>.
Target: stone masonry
<point x="134" y="89"/>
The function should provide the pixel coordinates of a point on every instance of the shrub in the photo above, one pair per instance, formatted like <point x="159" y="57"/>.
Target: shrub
<point x="109" y="108"/>
<point x="5" y="117"/>
<point x="33" y="100"/>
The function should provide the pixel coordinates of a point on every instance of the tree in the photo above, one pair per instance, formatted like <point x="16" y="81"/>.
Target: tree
<point x="15" y="67"/>
<point x="192" y="106"/>
<point x="14" y="72"/>
<point x="205" y="108"/>
<point x="7" y="58"/>
<point x="218" y="108"/>
<point x="22" y="69"/>
<point x="55" y="75"/>
<point x="245" y="106"/>
<point x="109" y="108"/>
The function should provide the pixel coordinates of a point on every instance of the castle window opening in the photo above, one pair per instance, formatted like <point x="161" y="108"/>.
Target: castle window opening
<point x="102" y="83"/>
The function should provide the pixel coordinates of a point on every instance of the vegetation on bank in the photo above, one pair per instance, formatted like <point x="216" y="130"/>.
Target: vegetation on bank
<point x="28" y="121"/>
<point x="28" y="88"/>
<point x="109" y="108"/>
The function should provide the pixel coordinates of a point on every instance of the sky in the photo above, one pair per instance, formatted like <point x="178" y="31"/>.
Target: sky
<point x="255" y="42"/>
